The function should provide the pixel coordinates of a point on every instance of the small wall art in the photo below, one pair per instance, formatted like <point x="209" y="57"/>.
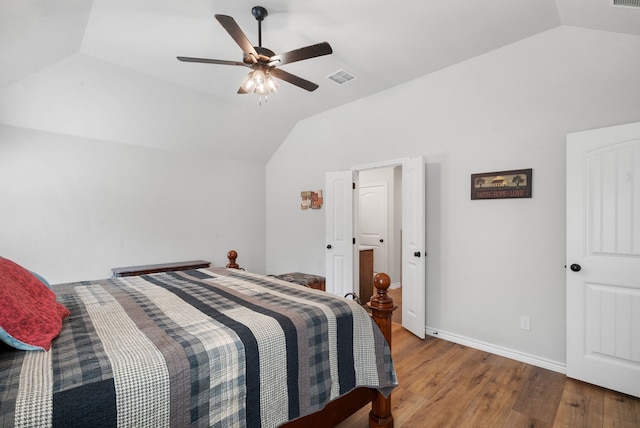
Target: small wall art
<point x="311" y="199"/>
<point x="502" y="184"/>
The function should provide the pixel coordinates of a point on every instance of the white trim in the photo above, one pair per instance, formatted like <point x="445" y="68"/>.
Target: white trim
<point x="379" y="164"/>
<point x="499" y="350"/>
<point x="395" y="286"/>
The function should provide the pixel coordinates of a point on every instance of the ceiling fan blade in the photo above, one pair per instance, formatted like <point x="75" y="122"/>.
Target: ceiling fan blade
<point x="293" y="79"/>
<point x="229" y="24"/>
<point x="303" y="53"/>
<point x="210" y="61"/>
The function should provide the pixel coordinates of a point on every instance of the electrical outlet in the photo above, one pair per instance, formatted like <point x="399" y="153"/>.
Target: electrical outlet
<point x="525" y="323"/>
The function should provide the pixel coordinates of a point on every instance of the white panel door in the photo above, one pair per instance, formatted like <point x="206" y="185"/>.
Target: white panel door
<point x="339" y="232"/>
<point x="372" y="227"/>
<point x="603" y="257"/>
<point x="413" y="246"/>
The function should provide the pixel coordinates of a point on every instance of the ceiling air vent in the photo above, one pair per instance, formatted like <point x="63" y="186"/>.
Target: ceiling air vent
<point x="341" y="77"/>
<point x="626" y="3"/>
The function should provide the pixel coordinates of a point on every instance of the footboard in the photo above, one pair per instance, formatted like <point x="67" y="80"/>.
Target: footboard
<point x="382" y="307"/>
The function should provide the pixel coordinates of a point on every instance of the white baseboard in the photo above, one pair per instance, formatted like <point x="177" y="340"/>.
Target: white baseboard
<point x="395" y="285"/>
<point x="499" y="350"/>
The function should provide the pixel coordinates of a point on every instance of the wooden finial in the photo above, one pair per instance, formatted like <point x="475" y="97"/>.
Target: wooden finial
<point x="381" y="304"/>
<point x="232" y="256"/>
<point x="381" y="299"/>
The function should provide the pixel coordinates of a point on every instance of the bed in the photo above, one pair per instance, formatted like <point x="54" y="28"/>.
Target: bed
<point x="203" y="347"/>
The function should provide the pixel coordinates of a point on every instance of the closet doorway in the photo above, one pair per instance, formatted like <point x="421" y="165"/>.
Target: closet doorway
<point x="379" y="200"/>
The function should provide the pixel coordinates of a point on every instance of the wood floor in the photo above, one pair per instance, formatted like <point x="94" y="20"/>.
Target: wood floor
<point x="396" y="295"/>
<point x="443" y="384"/>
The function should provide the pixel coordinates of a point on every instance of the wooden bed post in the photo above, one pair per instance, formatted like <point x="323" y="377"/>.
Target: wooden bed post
<point x="232" y="255"/>
<point x="382" y="307"/>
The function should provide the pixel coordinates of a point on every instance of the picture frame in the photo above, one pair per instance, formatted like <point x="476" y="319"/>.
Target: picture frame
<point x="510" y="184"/>
<point x="311" y="199"/>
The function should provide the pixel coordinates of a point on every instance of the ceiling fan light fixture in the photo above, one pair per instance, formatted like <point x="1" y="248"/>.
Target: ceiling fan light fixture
<point x="249" y="83"/>
<point x="258" y="76"/>
<point x="261" y="90"/>
<point x="260" y="83"/>
<point x="271" y="83"/>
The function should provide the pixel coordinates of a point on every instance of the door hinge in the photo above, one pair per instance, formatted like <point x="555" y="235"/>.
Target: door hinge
<point x="353" y="186"/>
<point x="354" y="241"/>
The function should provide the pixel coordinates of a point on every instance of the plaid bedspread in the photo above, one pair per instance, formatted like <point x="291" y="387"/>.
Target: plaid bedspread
<point x="215" y="347"/>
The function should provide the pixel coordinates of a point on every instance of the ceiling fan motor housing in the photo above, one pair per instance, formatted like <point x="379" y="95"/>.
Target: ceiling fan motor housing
<point x="259" y="12"/>
<point x="264" y="55"/>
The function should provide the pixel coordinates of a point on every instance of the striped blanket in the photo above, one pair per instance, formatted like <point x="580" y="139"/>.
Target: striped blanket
<point x="216" y="347"/>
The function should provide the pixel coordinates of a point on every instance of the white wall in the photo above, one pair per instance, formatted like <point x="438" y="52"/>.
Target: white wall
<point x="489" y="261"/>
<point x="72" y="208"/>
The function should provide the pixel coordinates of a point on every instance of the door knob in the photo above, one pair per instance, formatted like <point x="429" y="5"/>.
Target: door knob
<point x="329" y="247"/>
<point x="381" y="240"/>
<point x="417" y="254"/>
<point x="575" y="267"/>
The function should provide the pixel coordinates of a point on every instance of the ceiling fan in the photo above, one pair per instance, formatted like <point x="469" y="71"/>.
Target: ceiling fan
<point x="263" y="61"/>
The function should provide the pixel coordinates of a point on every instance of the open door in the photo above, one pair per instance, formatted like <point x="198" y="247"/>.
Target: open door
<point x="341" y="263"/>
<point x="339" y="260"/>
<point x="413" y="246"/>
<point x="603" y="257"/>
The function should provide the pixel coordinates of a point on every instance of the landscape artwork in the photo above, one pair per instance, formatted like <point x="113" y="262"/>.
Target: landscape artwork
<point x="502" y="184"/>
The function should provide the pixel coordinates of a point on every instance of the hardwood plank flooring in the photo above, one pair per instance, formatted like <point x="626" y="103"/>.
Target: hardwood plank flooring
<point x="396" y="295"/>
<point x="443" y="384"/>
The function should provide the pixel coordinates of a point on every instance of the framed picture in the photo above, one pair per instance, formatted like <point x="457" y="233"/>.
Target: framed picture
<point x="311" y="199"/>
<point x="502" y="184"/>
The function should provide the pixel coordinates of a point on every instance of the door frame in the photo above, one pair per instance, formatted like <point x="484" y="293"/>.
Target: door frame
<point x="356" y="206"/>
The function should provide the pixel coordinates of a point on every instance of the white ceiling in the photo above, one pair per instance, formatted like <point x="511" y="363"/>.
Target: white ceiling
<point x="107" y="69"/>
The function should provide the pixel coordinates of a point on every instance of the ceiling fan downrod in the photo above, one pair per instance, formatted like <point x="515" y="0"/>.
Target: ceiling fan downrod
<point x="260" y="13"/>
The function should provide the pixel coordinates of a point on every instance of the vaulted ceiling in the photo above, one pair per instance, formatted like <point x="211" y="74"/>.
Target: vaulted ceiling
<point x="107" y="69"/>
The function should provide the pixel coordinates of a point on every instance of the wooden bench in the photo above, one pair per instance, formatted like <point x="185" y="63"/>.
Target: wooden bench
<point x="162" y="267"/>
<point x="311" y="281"/>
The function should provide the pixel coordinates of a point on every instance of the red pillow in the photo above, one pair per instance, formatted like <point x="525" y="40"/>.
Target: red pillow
<point x="29" y="312"/>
